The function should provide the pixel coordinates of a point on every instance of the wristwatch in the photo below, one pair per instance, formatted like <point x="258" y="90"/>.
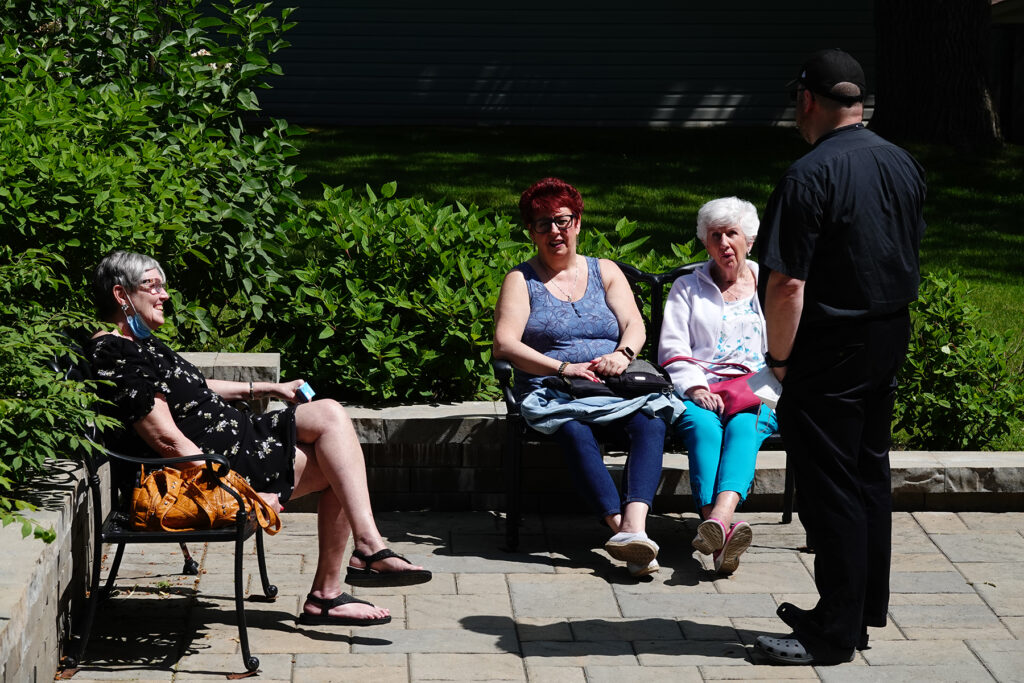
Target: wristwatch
<point x="774" y="363"/>
<point x="627" y="352"/>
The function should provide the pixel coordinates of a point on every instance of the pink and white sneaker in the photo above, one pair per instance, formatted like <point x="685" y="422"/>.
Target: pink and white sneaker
<point x="736" y="543"/>
<point x="710" y="536"/>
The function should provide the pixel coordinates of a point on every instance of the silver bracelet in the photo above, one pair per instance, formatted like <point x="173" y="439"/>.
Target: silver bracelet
<point x="252" y="395"/>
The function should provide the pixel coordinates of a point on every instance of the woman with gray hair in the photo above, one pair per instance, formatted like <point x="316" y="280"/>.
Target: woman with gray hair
<point x="713" y="315"/>
<point x="169" y="409"/>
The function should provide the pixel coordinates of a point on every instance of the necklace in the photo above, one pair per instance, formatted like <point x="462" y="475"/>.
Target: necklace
<point x="568" y="296"/>
<point x="732" y="290"/>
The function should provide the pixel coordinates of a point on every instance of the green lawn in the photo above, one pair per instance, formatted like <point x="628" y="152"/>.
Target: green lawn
<point x="660" y="177"/>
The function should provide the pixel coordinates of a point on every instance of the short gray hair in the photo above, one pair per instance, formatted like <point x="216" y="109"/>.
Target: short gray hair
<point x="123" y="268"/>
<point x="727" y="212"/>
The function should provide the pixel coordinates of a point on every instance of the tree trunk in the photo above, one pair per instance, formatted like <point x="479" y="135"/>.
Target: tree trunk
<point x="932" y="72"/>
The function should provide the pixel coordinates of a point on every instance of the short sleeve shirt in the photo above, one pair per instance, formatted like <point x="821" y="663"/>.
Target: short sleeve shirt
<point x="847" y="219"/>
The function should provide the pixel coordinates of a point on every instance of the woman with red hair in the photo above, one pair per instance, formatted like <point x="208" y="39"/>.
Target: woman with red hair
<point x="565" y="314"/>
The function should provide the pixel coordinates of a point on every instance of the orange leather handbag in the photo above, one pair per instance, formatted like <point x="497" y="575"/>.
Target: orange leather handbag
<point x="194" y="498"/>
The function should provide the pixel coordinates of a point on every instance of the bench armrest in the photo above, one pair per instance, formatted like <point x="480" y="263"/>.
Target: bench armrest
<point x="217" y="462"/>
<point x="503" y="373"/>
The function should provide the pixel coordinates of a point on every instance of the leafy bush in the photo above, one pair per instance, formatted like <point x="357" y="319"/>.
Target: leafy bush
<point x="391" y="299"/>
<point x="121" y="126"/>
<point x="958" y="388"/>
<point x="40" y="418"/>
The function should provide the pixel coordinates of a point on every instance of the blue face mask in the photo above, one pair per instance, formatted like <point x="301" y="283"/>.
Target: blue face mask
<point x="139" y="328"/>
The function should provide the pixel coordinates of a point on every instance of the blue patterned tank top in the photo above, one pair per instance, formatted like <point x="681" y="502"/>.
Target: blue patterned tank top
<point x="576" y="332"/>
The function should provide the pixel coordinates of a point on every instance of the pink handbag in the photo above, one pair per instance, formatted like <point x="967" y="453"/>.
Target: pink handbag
<point x="735" y="392"/>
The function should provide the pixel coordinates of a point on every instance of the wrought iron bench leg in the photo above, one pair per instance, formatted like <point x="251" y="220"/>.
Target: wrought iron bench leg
<point x="250" y="662"/>
<point x="108" y="587"/>
<point x="787" y="495"/>
<point x="269" y="589"/>
<point x="91" y="605"/>
<point x="191" y="567"/>
<point x="513" y="479"/>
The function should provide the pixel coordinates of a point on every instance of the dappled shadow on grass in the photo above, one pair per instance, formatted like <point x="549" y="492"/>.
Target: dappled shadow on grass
<point x="653" y="176"/>
<point x="973" y="212"/>
<point x="660" y="177"/>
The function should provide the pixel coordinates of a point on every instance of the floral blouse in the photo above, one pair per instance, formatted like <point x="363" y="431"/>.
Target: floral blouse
<point x="260" y="447"/>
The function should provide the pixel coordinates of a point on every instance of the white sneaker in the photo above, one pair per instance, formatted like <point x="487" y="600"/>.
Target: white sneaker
<point x="636" y="548"/>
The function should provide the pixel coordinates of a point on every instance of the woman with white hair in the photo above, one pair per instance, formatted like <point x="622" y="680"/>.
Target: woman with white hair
<point x="713" y="315"/>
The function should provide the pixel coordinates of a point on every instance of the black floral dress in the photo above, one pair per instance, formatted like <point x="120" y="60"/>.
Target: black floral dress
<point x="260" y="447"/>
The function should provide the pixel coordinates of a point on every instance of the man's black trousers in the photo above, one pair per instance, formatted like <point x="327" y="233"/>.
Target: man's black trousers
<point x="835" y="418"/>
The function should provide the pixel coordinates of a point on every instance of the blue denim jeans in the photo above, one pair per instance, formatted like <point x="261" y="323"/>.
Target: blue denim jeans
<point x="723" y="455"/>
<point x="643" y="435"/>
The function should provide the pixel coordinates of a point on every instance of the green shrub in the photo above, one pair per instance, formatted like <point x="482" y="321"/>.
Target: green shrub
<point x="40" y="418"/>
<point x="121" y="126"/>
<point x="389" y="299"/>
<point x="959" y="388"/>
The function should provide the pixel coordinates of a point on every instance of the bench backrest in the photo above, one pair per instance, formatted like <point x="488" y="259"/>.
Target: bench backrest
<point x="656" y="283"/>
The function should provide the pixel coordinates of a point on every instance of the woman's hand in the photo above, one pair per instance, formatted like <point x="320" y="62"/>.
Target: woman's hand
<point x="580" y="370"/>
<point x="286" y="391"/>
<point x="610" y="364"/>
<point x="706" y="399"/>
<point x="273" y="500"/>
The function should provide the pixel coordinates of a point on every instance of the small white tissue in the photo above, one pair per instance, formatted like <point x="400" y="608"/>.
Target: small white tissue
<point x="765" y="387"/>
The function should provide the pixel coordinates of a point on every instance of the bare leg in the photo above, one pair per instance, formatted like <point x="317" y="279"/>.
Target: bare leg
<point x="330" y="457"/>
<point x="723" y="509"/>
<point x="634" y="518"/>
<point x="332" y="537"/>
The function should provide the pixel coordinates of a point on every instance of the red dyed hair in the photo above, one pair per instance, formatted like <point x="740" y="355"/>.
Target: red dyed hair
<point x="546" y="196"/>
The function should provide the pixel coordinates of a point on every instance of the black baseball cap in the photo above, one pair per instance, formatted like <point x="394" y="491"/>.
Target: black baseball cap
<point x="825" y="69"/>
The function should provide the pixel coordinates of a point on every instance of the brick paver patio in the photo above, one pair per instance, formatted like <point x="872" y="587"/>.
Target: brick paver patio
<point x="560" y="610"/>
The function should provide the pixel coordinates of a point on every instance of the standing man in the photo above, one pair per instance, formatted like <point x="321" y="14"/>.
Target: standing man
<point x="840" y="235"/>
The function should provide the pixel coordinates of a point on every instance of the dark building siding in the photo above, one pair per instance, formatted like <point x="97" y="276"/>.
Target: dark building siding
<point x="658" y="63"/>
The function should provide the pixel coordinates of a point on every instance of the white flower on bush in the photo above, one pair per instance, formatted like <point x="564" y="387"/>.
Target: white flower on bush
<point x="203" y="52"/>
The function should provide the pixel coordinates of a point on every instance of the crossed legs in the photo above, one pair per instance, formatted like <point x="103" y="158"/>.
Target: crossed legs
<point x="722" y="457"/>
<point x="329" y="459"/>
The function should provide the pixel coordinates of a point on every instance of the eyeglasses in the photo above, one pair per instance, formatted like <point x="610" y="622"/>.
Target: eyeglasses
<point x="545" y="225"/>
<point x="153" y="286"/>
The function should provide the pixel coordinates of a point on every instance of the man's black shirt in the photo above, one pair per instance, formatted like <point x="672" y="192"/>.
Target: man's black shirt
<point x="846" y="219"/>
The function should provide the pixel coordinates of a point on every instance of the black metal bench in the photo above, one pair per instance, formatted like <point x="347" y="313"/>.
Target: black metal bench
<point x="518" y="434"/>
<point x="112" y="525"/>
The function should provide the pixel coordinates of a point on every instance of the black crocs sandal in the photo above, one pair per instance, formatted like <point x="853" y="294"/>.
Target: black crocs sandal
<point x="792" y="650"/>
<point x="784" y="650"/>
<point x="325" y="618"/>
<point x="372" y="578"/>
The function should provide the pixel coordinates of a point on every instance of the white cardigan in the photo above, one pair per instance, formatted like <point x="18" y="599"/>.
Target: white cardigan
<point x="693" y="323"/>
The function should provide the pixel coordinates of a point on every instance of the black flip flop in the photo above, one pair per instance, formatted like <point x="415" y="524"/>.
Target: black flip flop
<point x="324" y="618"/>
<point x="371" y="578"/>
